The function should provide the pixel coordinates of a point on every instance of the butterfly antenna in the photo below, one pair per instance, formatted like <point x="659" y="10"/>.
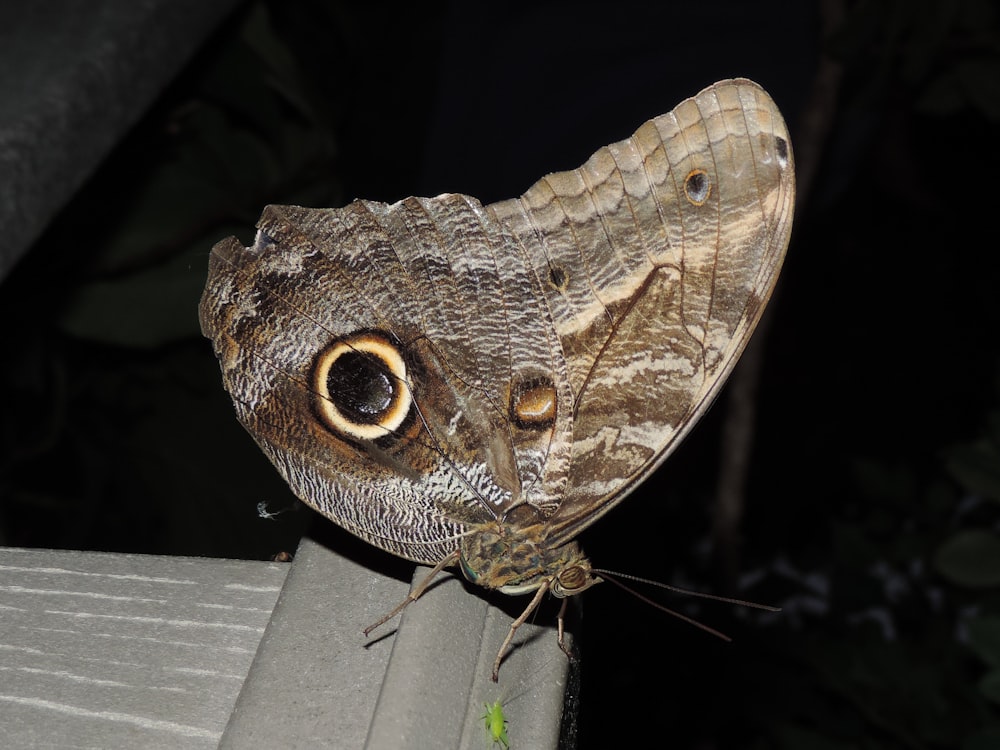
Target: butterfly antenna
<point x="662" y="608"/>
<point x="614" y="578"/>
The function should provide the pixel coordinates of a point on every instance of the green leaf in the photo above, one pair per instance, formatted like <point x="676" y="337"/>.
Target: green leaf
<point x="970" y="558"/>
<point x="896" y="482"/>
<point x="980" y="78"/>
<point x="146" y="309"/>
<point x="993" y="427"/>
<point x="989" y="685"/>
<point x="976" y="466"/>
<point x="793" y="737"/>
<point x="941" y="96"/>
<point x="984" y="638"/>
<point x="986" y="739"/>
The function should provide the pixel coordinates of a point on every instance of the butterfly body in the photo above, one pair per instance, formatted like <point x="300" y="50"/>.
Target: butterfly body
<point x="517" y="561"/>
<point x="473" y="385"/>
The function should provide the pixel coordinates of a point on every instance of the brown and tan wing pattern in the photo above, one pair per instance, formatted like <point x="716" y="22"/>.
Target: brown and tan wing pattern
<point x="434" y="281"/>
<point x="431" y="369"/>
<point x="659" y="255"/>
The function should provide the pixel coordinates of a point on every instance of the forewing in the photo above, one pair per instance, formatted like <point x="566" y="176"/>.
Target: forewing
<point x="657" y="257"/>
<point x="439" y="280"/>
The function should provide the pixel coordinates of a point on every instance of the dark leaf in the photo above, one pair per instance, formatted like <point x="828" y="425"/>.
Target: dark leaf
<point x="970" y="558"/>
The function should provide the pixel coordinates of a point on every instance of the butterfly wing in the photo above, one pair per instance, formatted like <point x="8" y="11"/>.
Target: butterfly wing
<point x="658" y="256"/>
<point x="542" y="354"/>
<point x="435" y="282"/>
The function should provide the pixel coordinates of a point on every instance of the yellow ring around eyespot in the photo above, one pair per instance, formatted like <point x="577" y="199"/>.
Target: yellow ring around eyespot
<point x="389" y="355"/>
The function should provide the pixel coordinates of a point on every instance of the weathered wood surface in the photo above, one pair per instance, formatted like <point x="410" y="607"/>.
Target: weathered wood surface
<point x="101" y="650"/>
<point x="419" y="682"/>
<point x="105" y="650"/>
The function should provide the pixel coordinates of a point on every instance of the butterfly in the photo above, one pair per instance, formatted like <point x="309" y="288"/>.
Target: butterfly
<point x="471" y="386"/>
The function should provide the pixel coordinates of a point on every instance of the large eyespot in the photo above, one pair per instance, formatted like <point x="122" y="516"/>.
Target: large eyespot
<point x="361" y="386"/>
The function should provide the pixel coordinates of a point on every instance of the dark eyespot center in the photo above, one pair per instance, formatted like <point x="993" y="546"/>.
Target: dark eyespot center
<point x="361" y="387"/>
<point x="781" y="148"/>
<point x="697" y="186"/>
<point x="557" y="277"/>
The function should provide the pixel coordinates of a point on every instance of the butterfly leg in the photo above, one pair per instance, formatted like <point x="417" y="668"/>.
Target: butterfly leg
<point x="417" y="592"/>
<point x="561" y="620"/>
<point x="536" y="600"/>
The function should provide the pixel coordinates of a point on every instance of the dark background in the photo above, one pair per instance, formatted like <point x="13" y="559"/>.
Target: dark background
<point x="871" y="504"/>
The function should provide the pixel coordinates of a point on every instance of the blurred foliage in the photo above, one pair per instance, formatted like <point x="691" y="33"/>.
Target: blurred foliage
<point x="110" y="380"/>
<point x="945" y="55"/>
<point x="873" y="515"/>
<point x="874" y="512"/>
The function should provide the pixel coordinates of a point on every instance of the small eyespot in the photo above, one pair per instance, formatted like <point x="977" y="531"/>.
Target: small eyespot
<point x="533" y="403"/>
<point x="557" y="277"/>
<point x="697" y="186"/>
<point x="361" y="386"/>
<point x="781" y="149"/>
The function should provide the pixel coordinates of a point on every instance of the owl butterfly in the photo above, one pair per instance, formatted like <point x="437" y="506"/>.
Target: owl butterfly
<point x="472" y="386"/>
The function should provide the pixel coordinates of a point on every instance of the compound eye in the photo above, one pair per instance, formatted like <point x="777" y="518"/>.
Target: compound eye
<point x="361" y="386"/>
<point x="572" y="580"/>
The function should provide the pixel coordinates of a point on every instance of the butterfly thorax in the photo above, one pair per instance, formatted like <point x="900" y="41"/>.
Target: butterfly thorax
<point x="516" y="560"/>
